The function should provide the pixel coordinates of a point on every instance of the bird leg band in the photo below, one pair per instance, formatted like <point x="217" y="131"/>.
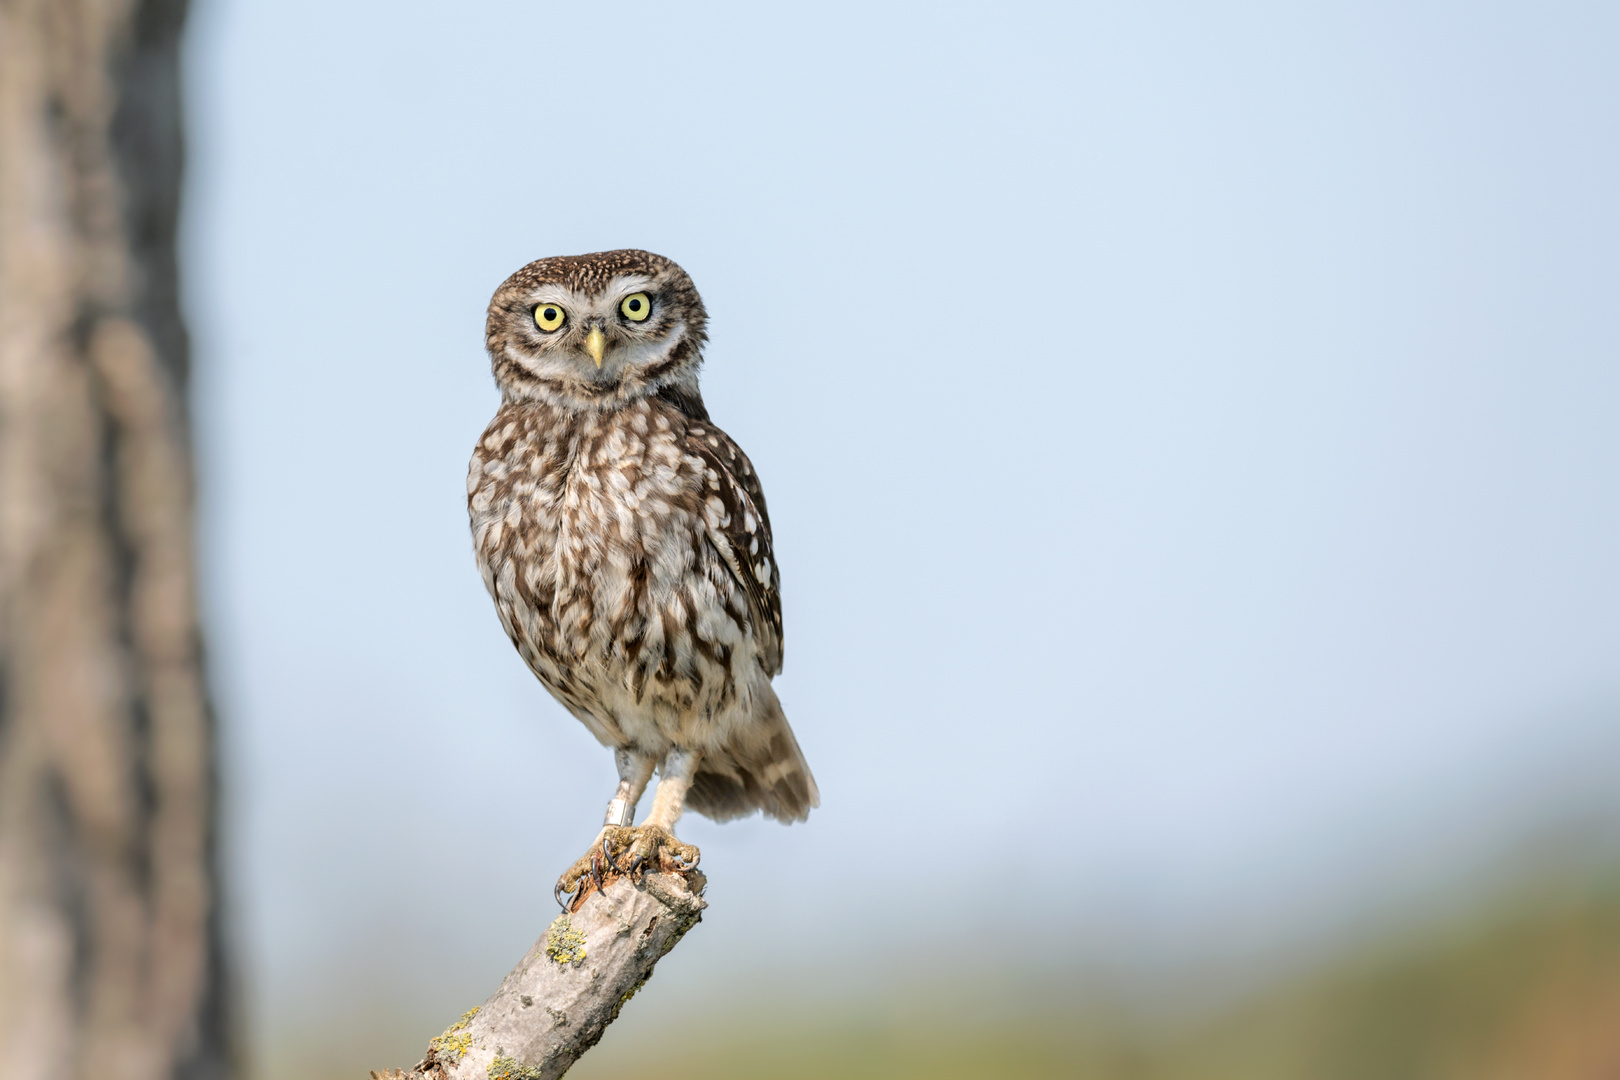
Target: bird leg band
<point x="635" y="769"/>
<point x="620" y="811"/>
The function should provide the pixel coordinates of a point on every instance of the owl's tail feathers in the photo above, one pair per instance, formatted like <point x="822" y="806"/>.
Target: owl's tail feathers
<point x="764" y="770"/>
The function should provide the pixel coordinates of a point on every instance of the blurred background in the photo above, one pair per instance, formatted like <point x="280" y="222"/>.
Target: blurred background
<point x="1190" y="434"/>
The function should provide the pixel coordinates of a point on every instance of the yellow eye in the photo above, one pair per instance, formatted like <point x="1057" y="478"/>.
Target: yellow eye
<point x="636" y="307"/>
<point x="548" y="317"/>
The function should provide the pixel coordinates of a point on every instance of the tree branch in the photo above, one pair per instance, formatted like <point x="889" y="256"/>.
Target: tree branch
<point x="561" y="997"/>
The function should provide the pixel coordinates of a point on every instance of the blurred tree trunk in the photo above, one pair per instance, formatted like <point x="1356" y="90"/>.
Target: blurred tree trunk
<point x="110" y="949"/>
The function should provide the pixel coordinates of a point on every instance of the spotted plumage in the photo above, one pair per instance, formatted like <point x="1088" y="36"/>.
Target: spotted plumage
<point x="625" y="540"/>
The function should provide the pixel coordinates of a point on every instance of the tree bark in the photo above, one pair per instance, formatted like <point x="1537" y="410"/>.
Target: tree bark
<point x="570" y="986"/>
<point x="111" y="963"/>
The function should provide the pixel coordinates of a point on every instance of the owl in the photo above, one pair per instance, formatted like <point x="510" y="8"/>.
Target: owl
<point x="624" y="540"/>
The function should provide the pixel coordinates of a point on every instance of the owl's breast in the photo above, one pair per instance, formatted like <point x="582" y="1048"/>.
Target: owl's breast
<point x="589" y="532"/>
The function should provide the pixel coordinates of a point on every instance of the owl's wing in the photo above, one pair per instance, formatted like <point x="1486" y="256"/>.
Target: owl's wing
<point x="741" y="532"/>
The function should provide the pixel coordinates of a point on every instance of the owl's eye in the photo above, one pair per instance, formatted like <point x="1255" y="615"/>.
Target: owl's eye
<point x="636" y="307"/>
<point x="548" y="317"/>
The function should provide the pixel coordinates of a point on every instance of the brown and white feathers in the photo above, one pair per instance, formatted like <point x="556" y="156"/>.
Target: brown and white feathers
<point x="624" y="537"/>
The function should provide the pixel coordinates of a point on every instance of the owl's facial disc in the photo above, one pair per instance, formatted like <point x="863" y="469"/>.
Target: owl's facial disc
<point x="588" y="330"/>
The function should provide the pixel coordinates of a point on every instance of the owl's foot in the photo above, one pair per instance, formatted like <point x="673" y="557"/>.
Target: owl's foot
<point x="634" y="851"/>
<point x="619" y="852"/>
<point x="589" y="869"/>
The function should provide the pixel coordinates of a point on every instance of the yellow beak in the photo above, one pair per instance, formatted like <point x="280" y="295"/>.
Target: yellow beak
<point x="594" y="344"/>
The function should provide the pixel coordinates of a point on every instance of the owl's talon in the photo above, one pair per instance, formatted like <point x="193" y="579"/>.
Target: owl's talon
<point x="577" y="879"/>
<point x="650" y="847"/>
<point x="568" y="898"/>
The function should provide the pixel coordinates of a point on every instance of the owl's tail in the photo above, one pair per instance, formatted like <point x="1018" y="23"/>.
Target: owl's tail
<point x="761" y="769"/>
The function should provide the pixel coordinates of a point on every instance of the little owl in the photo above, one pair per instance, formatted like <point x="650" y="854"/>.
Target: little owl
<point x="624" y="539"/>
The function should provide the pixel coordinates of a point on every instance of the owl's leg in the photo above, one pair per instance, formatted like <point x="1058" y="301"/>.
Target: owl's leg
<point x="680" y="768"/>
<point x="635" y="770"/>
<point x="655" y="845"/>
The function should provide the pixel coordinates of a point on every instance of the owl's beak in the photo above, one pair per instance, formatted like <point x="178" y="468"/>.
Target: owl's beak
<point x="595" y="343"/>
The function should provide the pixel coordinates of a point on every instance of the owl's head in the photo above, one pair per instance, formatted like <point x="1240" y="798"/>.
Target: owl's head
<point x="594" y="331"/>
